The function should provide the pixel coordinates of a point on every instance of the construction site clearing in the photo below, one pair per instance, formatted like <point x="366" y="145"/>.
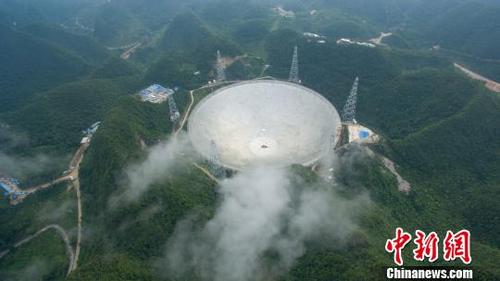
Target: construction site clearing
<point x="361" y="134"/>
<point x="10" y="188"/>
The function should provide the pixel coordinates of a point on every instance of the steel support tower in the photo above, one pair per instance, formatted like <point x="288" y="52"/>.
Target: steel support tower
<point x="294" y="69"/>
<point x="349" y="112"/>
<point x="221" y="69"/>
<point x="215" y="167"/>
<point x="173" y="111"/>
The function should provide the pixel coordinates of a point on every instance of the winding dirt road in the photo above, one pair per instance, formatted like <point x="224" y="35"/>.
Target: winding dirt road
<point x="71" y="175"/>
<point x="186" y="114"/>
<point x="76" y="185"/>
<point x="74" y="178"/>
<point x="488" y="83"/>
<point x="206" y="172"/>
<point x="403" y="185"/>
<point x="64" y="236"/>
<point x="126" y="55"/>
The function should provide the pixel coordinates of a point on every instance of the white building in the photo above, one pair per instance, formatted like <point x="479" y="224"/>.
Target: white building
<point x="155" y="94"/>
<point x="85" y="140"/>
<point x="347" y="41"/>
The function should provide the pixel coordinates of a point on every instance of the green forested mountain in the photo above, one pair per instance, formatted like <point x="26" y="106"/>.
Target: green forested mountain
<point x="471" y="28"/>
<point x="25" y="12"/>
<point x="153" y="14"/>
<point x="467" y="26"/>
<point x="439" y="127"/>
<point x="79" y="45"/>
<point x="185" y="23"/>
<point x="181" y="56"/>
<point x="54" y="85"/>
<point x="116" y="26"/>
<point x="30" y="65"/>
<point x="466" y="139"/>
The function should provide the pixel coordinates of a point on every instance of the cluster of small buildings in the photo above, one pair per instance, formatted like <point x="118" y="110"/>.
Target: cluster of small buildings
<point x="347" y="41"/>
<point x="158" y="94"/>
<point x="9" y="187"/>
<point x="155" y="94"/>
<point x="90" y="132"/>
<point x="320" y="39"/>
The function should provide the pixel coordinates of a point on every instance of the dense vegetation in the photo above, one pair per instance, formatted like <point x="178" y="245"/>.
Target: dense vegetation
<point x="45" y="256"/>
<point x="470" y="28"/>
<point x="89" y="50"/>
<point x="30" y="64"/>
<point x="440" y="127"/>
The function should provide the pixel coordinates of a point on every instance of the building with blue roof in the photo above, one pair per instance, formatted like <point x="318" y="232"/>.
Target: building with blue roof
<point x="5" y="188"/>
<point x="155" y="93"/>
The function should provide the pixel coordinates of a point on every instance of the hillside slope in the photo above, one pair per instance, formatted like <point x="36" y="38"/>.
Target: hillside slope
<point x="79" y="45"/>
<point x="30" y="65"/>
<point x="471" y="28"/>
